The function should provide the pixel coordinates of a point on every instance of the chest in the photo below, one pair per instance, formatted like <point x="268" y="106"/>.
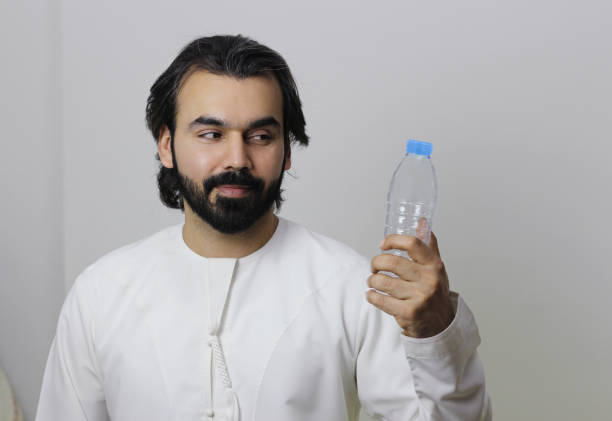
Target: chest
<point x="282" y="346"/>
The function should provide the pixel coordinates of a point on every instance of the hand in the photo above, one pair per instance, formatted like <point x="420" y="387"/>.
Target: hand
<point x="419" y="299"/>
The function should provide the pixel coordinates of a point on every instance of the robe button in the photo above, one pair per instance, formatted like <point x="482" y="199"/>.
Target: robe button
<point x="210" y="413"/>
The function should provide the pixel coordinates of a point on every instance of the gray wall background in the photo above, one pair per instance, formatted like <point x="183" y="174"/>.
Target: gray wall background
<point x="515" y="96"/>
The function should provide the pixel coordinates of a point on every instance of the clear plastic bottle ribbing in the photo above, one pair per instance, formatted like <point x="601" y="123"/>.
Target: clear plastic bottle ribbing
<point x="412" y="196"/>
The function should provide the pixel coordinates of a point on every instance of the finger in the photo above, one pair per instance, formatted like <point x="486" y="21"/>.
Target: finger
<point x="396" y="287"/>
<point x="416" y="248"/>
<point x="422" y="233"/>
<point x="399" y="265"/>
<point x="422" y="229"/>
<point x="434" y="244"/>
<point x="386" y="303"/>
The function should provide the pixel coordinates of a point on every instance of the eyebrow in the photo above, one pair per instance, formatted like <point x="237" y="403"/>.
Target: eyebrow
<point x="212" y="121"/>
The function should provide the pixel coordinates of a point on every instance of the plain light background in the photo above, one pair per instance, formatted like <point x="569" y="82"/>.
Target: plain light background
<point x="515" y="97"/>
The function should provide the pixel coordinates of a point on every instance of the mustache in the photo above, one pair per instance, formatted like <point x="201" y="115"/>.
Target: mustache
<point x="235" y="178"/>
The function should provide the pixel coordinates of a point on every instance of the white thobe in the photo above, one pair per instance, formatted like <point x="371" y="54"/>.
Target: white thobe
<point x="153" y="331"/>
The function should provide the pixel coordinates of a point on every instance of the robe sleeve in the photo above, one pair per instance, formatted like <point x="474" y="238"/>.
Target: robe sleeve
<point x="400" y="378"/>
<point x="72" y="387"/>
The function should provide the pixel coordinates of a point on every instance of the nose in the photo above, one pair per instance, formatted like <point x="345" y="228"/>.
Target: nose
<point x="236" y="154"/>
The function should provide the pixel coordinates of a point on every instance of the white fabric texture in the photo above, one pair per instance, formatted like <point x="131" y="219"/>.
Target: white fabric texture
<point x="153" y="331"/>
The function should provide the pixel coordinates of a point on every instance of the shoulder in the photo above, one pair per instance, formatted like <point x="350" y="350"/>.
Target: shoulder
<point x="127" y="262"/>
<point x="306" y="242"/>
<point x="140" y="252"/>
<point x="324" y="257"/>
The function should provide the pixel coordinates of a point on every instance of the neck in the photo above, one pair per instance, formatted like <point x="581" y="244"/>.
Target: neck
<point x="208" y="242"/>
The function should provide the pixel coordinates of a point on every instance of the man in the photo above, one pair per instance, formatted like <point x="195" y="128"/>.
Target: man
<point x="238" y="313"/>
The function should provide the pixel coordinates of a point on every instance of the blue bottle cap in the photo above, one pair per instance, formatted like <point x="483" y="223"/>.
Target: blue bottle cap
<point x="419" y="147"/>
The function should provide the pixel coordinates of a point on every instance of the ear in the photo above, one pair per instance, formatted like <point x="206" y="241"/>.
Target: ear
<point x="164" y="148"/>
<point x="288" y="157"/>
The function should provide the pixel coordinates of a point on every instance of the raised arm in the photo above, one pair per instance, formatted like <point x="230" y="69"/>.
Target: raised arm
<point x="418" y="361"/>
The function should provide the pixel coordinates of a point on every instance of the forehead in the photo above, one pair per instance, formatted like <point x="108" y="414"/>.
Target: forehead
<point x="238" y="101"/>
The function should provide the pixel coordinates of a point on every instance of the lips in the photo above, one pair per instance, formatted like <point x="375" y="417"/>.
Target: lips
<point x="234" y="190"/>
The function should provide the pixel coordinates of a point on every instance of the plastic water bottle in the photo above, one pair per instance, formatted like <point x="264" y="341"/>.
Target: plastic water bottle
<point x="412" y="196"/>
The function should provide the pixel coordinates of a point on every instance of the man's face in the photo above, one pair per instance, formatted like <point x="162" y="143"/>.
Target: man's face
<point x="229" y="133"/>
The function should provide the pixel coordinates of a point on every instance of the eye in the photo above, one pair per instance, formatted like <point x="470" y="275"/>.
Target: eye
<point x="262" y="137"/>
<point x="209" y="135"/>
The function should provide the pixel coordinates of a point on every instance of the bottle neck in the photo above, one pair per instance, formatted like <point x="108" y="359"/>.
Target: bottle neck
<point x="417" y="156"/>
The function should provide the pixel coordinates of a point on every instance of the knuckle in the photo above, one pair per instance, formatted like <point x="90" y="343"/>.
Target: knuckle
<point x="372" y="297"/>
<point x="425" y="291"/>
<point x="408" y="313"/>
<point x="385" y="261"/>
<point x="374" y="263"/>
<point x="432" y="276"/>
<point x="375" y="281"/>
<point x="412" y="241"/>
<point x="386" y="283"/>
<point x="421" y="297"/>
<point x="394" y="262"/>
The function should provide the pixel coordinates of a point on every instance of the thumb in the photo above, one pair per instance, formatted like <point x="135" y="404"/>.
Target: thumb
<point x="433" y="243"/>
<point x="422" y="228"/>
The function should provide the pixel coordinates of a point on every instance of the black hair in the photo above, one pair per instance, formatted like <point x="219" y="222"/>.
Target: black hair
<point x="231" y="55"/>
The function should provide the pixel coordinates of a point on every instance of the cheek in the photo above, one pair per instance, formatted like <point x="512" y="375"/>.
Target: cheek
<point x="194" y="162"/>
<point x="274" y="162"/>
<point x="269" y="169"/>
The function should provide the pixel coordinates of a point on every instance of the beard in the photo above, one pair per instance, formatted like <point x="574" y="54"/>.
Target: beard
<point x="230" y="215"/>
